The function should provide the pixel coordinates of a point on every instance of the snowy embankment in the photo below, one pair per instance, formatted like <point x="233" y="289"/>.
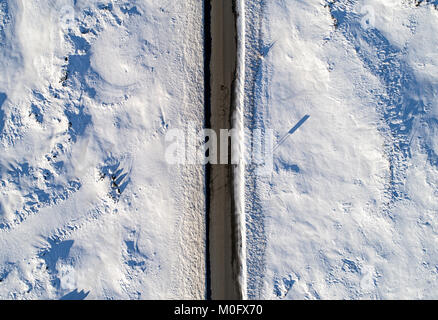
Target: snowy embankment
<point x="238" y="124"/>
<point x="349" y="210"/>
<point x="88" y="205"/>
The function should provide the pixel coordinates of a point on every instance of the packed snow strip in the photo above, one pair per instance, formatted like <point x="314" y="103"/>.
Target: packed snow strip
<point x="254" y="219"/>
<point x="349" y="210"/>
<point x="238" y="124"/>
<point x="89" y="208"/>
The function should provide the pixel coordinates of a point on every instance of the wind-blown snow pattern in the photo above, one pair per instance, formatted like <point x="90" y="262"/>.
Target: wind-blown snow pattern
<point x="89" y="208"/>
<point x="350" y="209"/>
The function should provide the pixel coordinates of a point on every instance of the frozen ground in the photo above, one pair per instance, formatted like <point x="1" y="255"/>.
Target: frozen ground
<point x="88" y="205"/>
<point x="350" y="209"/>
<point x="89" y="208"/>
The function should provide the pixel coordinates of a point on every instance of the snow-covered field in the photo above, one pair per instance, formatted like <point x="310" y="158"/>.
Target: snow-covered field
<point x="350" y="210"/>
<point x="90" y="208"/>
<point x="88" y="205"/>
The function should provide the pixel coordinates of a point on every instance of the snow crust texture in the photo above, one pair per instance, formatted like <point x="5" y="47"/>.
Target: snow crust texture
<point x="88" y="206"/>
<point x="350" y="209"/>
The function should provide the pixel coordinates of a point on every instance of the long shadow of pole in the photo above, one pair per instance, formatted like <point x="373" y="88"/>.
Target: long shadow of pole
<point x="291" y="131"/>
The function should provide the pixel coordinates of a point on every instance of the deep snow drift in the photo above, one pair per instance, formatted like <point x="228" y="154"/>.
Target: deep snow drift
<point x="88" y="205"/>
<point x="350" y="208"/>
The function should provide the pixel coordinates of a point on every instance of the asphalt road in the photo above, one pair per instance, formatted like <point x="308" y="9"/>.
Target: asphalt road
<point x="224" y="261"/>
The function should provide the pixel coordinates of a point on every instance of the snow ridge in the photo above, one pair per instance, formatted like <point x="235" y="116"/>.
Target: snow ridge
<point x="239" y="170"/>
